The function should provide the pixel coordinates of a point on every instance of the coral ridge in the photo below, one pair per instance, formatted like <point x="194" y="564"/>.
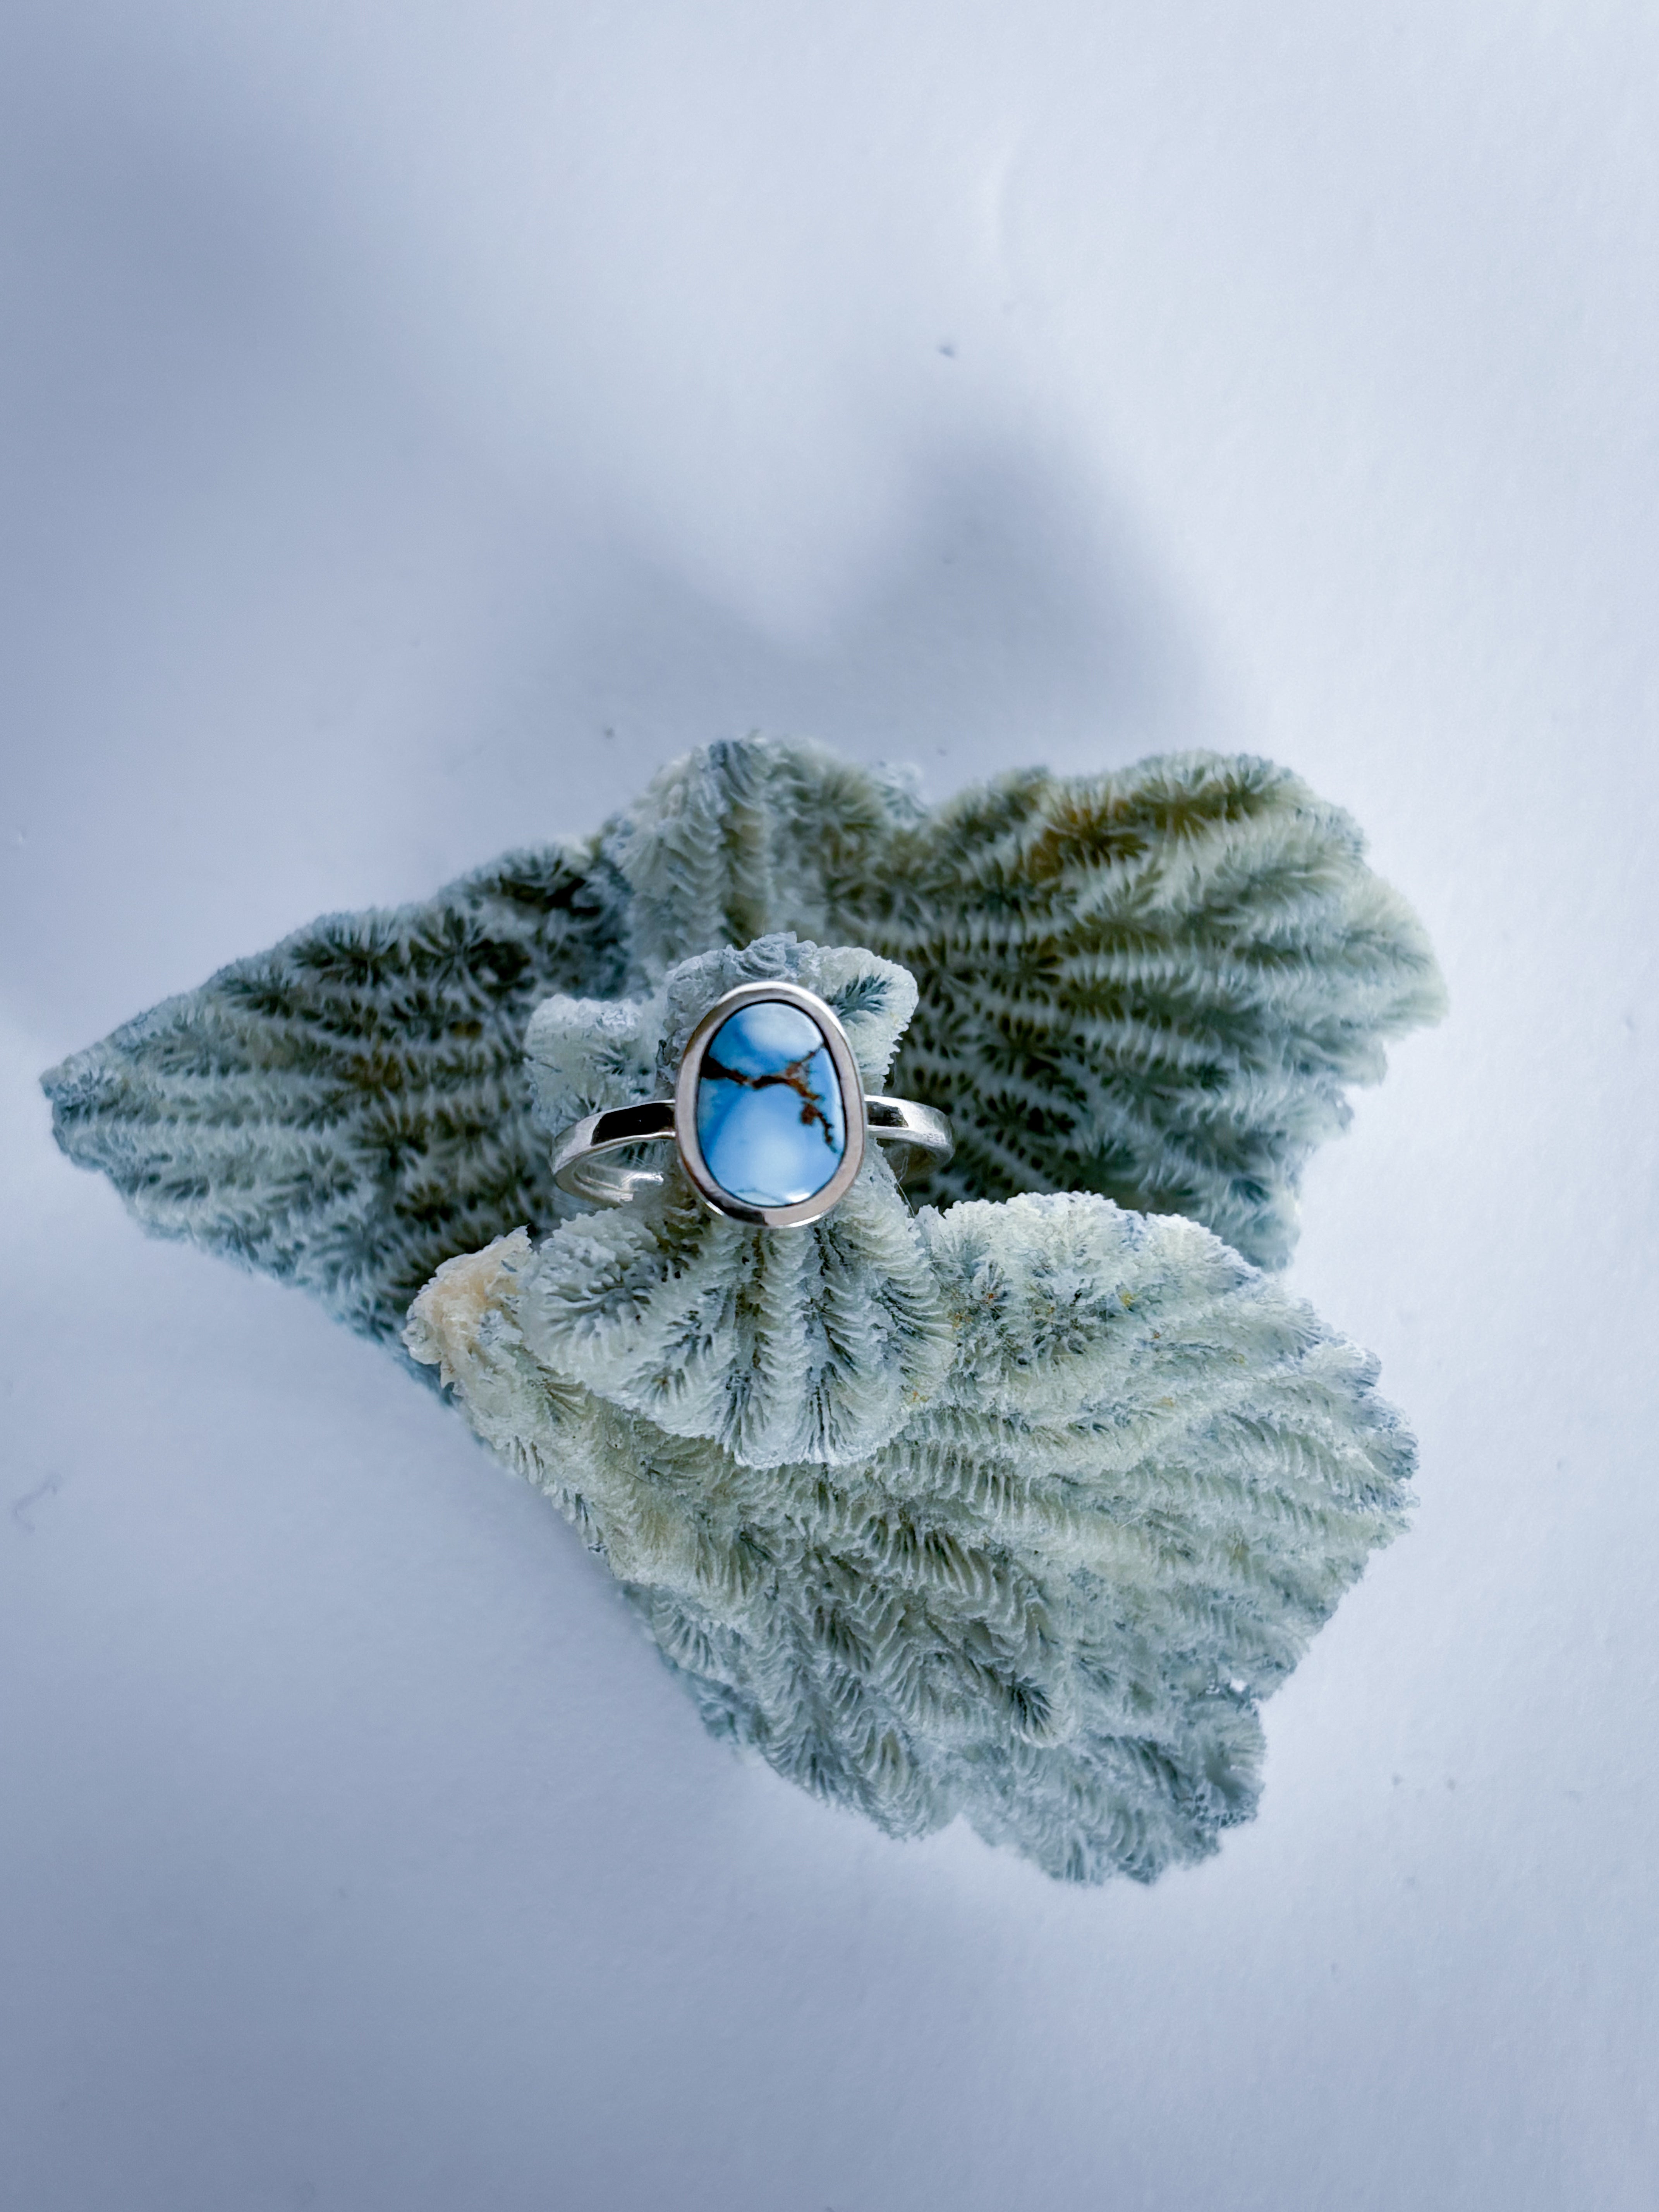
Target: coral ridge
<point x="1015" y="1509"/>
<point x="1153" y="984"/>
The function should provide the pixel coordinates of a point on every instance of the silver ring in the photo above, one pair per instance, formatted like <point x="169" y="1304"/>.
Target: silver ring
<point x="769" y="1115"/>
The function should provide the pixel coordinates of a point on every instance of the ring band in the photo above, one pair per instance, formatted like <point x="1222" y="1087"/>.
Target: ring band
<point x="769" y="1115"/>
<point x="579" y="1168"/>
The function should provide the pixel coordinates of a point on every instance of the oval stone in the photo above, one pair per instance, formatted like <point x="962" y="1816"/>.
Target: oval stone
<point x="771" y="1123"/>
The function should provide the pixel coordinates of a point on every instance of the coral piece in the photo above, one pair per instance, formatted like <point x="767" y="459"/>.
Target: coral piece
<point x="1152" y="984"/>
<point x="1014" y="1511"/>
<point x="813" y="1344"/>
<point x="350" y="1109"/>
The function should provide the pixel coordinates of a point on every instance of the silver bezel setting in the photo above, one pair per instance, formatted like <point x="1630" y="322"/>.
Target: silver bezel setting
<point x="714" y="1195"/>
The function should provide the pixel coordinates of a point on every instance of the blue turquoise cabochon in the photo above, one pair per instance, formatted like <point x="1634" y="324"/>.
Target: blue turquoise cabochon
<point x="771" y="1123"/>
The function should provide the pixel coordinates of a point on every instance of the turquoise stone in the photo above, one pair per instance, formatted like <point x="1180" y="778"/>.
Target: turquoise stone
<point x="770" y="1120"/>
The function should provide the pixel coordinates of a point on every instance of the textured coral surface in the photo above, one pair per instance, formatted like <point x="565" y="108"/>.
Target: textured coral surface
<point x="1014" y="1511"/>
<point x="1152" y="984"/>
<point x="350" y="1109"/>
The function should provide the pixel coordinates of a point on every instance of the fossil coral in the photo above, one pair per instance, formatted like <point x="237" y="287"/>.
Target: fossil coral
<point x="1014" y="1511"/>
<point x="1152" y="984"/>
<point x="350" y="1109"/>
<point x="814" y="1345"/>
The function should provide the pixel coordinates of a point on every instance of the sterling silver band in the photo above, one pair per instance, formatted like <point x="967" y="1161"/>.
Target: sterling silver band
<point x="580" y="1168"/>
<point x="769" y="1115"/>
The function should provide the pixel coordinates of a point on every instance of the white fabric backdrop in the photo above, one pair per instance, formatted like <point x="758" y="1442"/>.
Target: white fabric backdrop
<point x="419" y="422"/>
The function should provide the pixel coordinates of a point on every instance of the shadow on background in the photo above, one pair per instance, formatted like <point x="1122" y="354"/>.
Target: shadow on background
<point x="1011" y="619"/>
<point x="285" y="632"/>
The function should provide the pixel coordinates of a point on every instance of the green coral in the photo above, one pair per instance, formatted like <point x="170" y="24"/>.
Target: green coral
<point x="1014" y="1511"/>
<point x="814" y="1345"/>
<point x="1152" y="984"/>
<point x="347" y="1110"/>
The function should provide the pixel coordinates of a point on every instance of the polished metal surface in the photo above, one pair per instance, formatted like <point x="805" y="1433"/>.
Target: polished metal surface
<point x="584" y="1162"/>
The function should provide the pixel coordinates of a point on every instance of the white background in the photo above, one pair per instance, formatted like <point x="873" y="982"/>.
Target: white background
<point x="418" y="422"/>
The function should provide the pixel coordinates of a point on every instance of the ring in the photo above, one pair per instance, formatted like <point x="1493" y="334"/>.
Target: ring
<point x="769" y="1115"/>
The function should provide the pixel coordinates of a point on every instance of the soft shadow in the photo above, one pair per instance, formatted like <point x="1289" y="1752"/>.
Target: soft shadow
<point x="1013" y="619"/>
<point x="285" y="632"/>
